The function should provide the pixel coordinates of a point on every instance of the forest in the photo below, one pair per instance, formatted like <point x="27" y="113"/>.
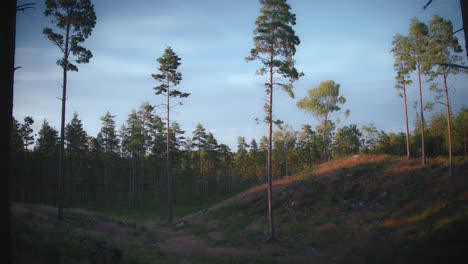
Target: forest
<point x="158" y="181"/>
<point x="127" y="166"/>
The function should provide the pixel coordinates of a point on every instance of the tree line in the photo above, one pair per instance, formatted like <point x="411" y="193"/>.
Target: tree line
<point x="126" y="166"/>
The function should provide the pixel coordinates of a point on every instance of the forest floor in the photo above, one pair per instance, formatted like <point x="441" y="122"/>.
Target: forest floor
<point x="361" y="209"/>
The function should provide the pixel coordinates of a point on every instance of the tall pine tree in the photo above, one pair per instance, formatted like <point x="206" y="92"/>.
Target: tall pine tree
<point x="418" y="40"/>
<point x="444" y="49"/>
<point x="275" y="45"/>
<point x="169" y="77"/>
<point x="74" y="20"/>
<point x="402" y="65"/>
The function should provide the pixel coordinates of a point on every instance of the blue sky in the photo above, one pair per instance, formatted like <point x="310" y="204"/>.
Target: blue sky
<point x="345" y="41"/>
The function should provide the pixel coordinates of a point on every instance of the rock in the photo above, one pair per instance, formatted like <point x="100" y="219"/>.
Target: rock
<point x="181" y="223"/>
<point x="204" y="212"/>
<point x="294" y="204"/>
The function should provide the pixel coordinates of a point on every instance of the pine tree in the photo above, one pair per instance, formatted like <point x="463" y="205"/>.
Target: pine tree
<point x="418" y="40"/>
<point x="75" y="20"/>
<point x="26" y="132"/>
<point x="402" y="65"/>
<point x="76" y="140"/>
<point x="443" y="49"/>
<point x="275" y="45"/>
<point x="110" y="145"/>
<point x="347" y="141"/>
<point x="308" y="146"/>
<point x="241" y="156"/>
<point x="47" y="147"/>
<point x="168" y="76"/>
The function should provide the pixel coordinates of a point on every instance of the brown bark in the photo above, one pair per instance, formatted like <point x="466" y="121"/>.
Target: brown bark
<point x="449" y="126"/>
<point x="271" y="226"/>
<point x="408" y="154"/>
<point x="324" y="138"/>
<point x="168" y="163"/>
<point x="421" y="111"/>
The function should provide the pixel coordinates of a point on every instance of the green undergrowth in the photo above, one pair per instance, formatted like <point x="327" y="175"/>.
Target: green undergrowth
<point x="154" y="210"/>
<point x="366" y="209"/>
<point x="352" y="198"/>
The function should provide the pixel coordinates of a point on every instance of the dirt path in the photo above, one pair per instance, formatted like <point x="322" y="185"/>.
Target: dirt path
<point x="151" y="235"/>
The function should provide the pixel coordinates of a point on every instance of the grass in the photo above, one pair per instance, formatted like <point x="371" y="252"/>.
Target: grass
<point x="366" y="209"/>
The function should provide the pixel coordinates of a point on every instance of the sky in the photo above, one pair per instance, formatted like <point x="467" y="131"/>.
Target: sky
<point x="341" y="40"/>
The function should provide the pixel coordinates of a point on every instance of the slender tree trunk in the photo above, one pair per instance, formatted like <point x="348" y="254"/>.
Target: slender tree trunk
<point x="106" y="175"/>
<point x="324" y="138"/>
<point x="449" y="126"/>
<point x="142" y="172"/>
<point x="408" y="155"/>
<point x="421" y="111"/>
<point x="168" y="162"/>
<point x="272" y="235"/>
<point x="200" y="166"/>
<point x="62" y="127"/>
<point x="7" y="68"/>
<point x="465" y="129"/>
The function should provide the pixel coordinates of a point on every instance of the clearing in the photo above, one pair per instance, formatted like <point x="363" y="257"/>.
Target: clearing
<point x="361" y="209"/>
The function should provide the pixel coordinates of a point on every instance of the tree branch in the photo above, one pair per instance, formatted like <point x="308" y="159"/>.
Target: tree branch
<point x="25" y="6"/>
<point x="452" y="65"/>
<point x="428" y="3"/>
<point x="455" y="32"/>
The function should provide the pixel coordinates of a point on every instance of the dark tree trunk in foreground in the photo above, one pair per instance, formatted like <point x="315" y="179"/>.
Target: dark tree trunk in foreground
<point x="464" y="10"/>
<point x="7" y="67"/>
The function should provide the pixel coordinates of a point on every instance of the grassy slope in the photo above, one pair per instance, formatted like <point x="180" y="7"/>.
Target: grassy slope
<point x="368" y="209"/>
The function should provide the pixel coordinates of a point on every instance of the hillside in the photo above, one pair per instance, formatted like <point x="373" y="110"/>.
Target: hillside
<point x="362" y="209"/>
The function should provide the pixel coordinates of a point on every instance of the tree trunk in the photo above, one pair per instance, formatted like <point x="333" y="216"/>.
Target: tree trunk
<point x="62" y="125"/>
<point x="464" y="11"/>
<point x="324" y="138"/>
<point x="168" y="163"/>
<point x="106" y="179"/>
<point x="465" y="129"/>
<point x="7" y="68"/>
<point x="140" y="184"/>
<point x="271" y="226"/>
<point x="408" y="155"/>
<point x="421" y="111"/>
<point x="449" y="126"/>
